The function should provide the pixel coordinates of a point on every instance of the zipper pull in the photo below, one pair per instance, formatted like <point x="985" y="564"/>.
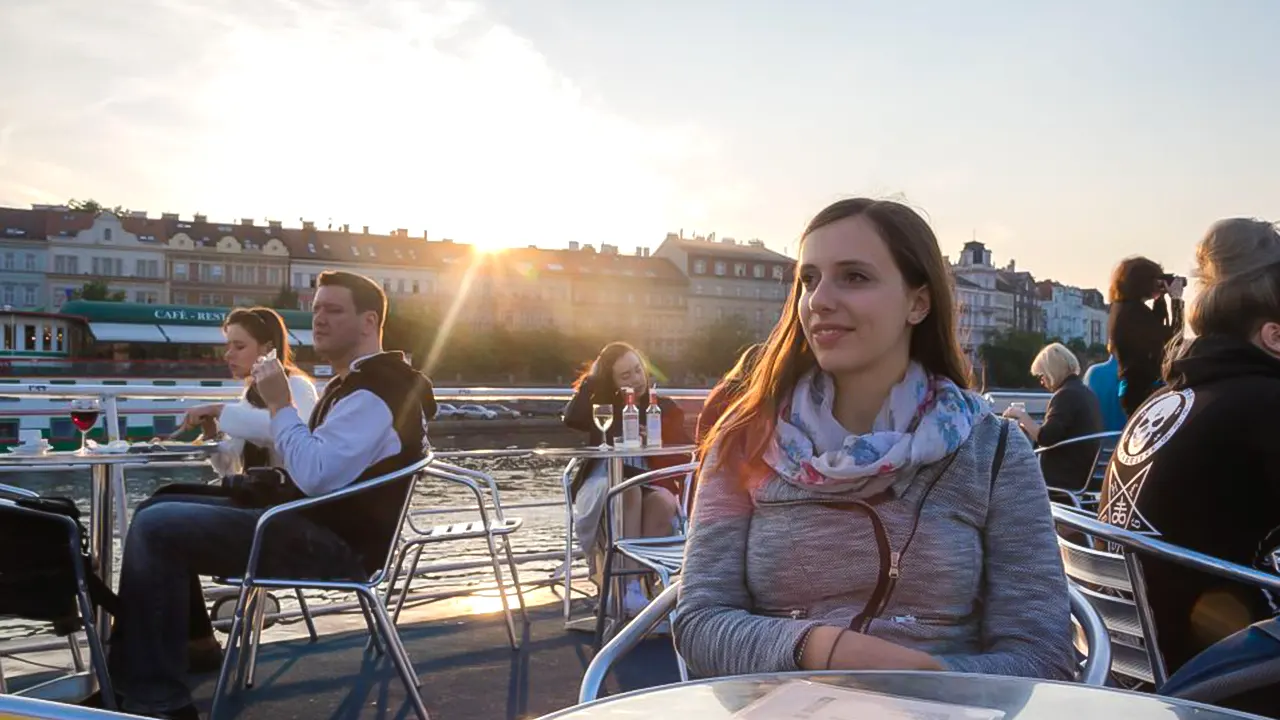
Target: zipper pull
<point x="902" y="619"/>
<point x="893" y="564"/>
<point x="795" y="614"/>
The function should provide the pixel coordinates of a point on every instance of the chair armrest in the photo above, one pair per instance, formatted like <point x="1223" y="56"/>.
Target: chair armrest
<point x="1097" y="667"/>
<point x="626" y="640"/>
<point x="652" y="476"/>
<point x="305" y="503"/>
<point x="479" y="476"/>
<point x="1144" y="545"/>
<point x="17" y="491"/>
<point x="1110" y="434"/>
<point x="441" y="474"/>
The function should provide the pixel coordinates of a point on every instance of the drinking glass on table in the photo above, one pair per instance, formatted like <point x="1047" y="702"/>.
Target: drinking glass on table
<point x="602" y="415"/>
<point x="84" y="415"/>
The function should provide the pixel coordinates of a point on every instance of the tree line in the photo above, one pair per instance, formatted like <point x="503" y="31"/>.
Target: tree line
<point x="1006" y="357"/>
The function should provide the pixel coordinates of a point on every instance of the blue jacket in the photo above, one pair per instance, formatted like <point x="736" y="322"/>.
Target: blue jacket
<point x="1104" y="380"/>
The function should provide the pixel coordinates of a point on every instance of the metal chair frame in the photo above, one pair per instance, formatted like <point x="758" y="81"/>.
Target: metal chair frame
<point x="97" y="656"/>
<point x="661" y="608"/>
<point x="662" y="556"/>
<point x="1097" y="472"/>
<point x="252" y="586"/>
<point x="499" y="527"/>
<point x="1121" y="574"/>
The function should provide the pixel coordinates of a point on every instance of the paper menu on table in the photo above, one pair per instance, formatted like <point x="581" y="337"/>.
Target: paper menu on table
<point x="804" y="700"/>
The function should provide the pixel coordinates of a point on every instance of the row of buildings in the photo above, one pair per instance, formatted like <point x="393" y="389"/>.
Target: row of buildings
<point x="661" y="298"/>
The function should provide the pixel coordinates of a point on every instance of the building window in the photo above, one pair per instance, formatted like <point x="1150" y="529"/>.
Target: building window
<point x="8" y="295"/>
<point x="31" y="262"/>
<point x="777" y="272"/>
<point x="415" y="287"/>
<point x="699" y="267"/>
<point x="106" y="234"/>
<point x="8" y="261"/>
<point x="29" y="295"/>
<point x="758" y="271"/>
<point x="739" y="269"/>
<point x="719" y="268"/>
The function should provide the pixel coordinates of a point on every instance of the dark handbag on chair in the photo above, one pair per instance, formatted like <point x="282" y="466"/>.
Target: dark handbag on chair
<point x="261" y="487"/>
<point x="36" y="579"/>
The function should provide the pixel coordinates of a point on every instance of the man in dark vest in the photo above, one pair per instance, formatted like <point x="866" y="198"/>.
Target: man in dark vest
<point x="371" y="420"/>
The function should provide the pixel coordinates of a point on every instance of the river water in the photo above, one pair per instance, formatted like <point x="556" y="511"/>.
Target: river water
<point x="520" y="479"/>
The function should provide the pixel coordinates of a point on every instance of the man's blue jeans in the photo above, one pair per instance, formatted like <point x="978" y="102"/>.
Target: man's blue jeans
<point x="170" y="544"/>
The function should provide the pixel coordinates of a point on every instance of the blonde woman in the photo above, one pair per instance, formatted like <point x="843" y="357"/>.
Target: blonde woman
<point x="1073" y="412"/>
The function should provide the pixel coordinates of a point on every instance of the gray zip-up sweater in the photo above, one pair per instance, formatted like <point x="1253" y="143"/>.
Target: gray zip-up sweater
<point x="981" y="585"/>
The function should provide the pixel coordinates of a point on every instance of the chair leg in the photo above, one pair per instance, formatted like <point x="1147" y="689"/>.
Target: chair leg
<point x="408" y="580"/>
<point x="306" y="615"/>
<point x="77" y="660"/>
<point x="394" y="577"/>
<point x="374" y="643"/>
<point x="602" y="610"/>
<point x="4" y="687"/>
<point x="255" y="637"/>
<point x="387" y="630"/>
<point x="229" y="657"/>
<point x="568" y="561"/>
<point x="502" y="593"/>
<point x="97" y="657"/>
<point x="246" y="635"/>
<point x="515" y="576"/>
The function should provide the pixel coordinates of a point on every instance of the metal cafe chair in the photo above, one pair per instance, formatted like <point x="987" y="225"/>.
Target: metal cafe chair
<point x="252" y="587"/>
<point x="662" y="556"/>
<point x="1092" y="485"/>
<point x="10" y="512"/>
<point x="661" y="608"/>
<point x="1115" y="585"/>
<point x="1091" y="634"/>
<point x="498" y="527"/>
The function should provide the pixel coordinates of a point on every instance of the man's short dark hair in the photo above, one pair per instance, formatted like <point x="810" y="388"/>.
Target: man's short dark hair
<point x="366" y="293"/>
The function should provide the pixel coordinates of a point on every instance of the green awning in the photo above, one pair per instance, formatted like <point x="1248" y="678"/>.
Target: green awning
<point x="96" y="311"/>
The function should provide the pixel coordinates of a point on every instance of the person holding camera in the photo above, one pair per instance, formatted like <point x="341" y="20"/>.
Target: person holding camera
<point x="1140" y="333"/>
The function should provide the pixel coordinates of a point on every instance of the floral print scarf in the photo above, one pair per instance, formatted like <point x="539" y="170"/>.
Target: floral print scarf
<point x="925" y="419"/>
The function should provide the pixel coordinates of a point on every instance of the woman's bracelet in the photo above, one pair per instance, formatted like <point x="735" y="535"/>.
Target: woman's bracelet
<point x="831" y="655"/>
<point x="804" y="642"/>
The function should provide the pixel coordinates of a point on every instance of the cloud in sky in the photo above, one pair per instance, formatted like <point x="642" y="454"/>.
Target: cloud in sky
<point x="393" y="114"/>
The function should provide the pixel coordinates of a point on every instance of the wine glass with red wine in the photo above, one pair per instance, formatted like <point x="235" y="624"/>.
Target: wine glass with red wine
<point x="84" y="415"/>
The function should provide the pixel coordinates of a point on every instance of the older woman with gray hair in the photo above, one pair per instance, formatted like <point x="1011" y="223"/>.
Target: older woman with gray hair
<point x="1073" y="412"/>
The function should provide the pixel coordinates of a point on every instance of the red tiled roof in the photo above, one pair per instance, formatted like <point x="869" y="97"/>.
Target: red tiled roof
<point x="16" y="223"/>
<point x="359" y="248"/>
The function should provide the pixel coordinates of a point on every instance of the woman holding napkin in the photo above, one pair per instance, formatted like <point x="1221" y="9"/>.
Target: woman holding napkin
<point x="251" y="333"/>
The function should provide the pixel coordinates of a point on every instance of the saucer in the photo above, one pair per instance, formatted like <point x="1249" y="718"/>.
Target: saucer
<point x="40" y="449"/>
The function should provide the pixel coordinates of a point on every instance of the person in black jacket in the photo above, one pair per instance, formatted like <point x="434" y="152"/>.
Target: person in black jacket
<point x="371" y="420"/>
<point x="1140" y="334"/>
<point x="1073" y="412"/>
<point x="1199" y="464"/>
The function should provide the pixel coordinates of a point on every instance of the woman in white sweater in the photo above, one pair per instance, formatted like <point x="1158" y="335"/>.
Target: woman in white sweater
<point x="251" y="333"/>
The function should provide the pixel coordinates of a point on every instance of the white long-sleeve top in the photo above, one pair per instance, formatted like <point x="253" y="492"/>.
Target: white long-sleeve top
<point x="246" y="423"/>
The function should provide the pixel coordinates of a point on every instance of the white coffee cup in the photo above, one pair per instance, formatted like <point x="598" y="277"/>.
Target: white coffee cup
<point x="31" y="438"/>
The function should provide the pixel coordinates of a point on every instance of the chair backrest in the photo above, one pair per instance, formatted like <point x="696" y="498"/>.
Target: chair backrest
<point x="684" y="470"/>
<point x="1102" y="579"/>
<point x="413" y="473"/>
<point x="1105" y="445"/>
<point x="626" y="640"/>
<point x="1091" y="639"/>
<point x="1087" y="566"/>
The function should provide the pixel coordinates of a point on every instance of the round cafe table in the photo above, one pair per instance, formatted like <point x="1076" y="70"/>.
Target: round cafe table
<point x="888" y="696"/>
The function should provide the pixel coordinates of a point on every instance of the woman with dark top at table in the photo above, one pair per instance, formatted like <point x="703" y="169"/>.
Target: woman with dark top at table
<point x="1198" y="466"/>
<point x="650" y="512"/>
<point x="251" y="333"/>
<point x="1073" y="412"/>
<point x="1139" y="334"/>
<point x="860" y="508"/>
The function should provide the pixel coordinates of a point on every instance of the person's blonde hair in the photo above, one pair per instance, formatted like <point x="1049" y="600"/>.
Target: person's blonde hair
<point x="1238" y="266"/>
<point x="1056" y="363"/>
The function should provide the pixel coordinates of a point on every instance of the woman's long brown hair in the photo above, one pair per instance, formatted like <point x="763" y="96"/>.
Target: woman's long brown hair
<point x="264" y="325"/>
<point x="745" y="430"/>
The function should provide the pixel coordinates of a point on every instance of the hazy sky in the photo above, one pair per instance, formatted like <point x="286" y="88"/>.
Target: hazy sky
<point x="1065" y="135"/>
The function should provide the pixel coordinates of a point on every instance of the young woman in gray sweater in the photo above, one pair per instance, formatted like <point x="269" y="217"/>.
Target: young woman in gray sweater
<point x="858" y="507"/>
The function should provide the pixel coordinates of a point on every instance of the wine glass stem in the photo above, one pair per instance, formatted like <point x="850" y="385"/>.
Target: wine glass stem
<point x="84" y="440"/>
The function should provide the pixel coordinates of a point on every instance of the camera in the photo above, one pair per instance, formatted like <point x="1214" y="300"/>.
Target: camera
<point x="1168" y="278"/>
